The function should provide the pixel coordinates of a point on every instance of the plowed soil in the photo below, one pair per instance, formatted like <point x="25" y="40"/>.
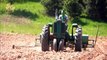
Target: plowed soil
<point x="27" y="47"/>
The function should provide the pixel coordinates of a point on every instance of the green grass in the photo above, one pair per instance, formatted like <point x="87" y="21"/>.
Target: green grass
<point x="92" y="26"/>
<point x="34" y="17"/>
<point x="36" y="23"/>
<point x="2" y="8"/>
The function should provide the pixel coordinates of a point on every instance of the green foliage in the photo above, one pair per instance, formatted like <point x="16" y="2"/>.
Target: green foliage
<point x="71" y="6"/>
<point x="97" y="9"/>
<point x="52" y="5"/>
<point x="19" y="1"/>
<point x="2" y="8"/>
<point x="92" y="10"/>
<point x="74" y="8"/>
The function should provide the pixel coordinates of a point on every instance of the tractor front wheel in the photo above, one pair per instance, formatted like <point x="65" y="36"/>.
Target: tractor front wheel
<point x="55" y="45"/>
<point x="61" y="44"/>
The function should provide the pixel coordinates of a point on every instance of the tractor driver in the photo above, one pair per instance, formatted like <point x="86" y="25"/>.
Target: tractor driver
<point x="63" y="16"/>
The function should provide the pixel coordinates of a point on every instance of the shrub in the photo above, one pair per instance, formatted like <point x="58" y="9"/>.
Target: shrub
<point x="73" y="8"/>
<point x="52" y="5"/>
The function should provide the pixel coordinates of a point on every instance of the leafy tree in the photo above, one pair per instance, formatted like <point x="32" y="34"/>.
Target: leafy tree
<point x="52" y="5"/>
<point x="74" y="8"/>
<point x="97" y="9"/>
<point x="102" y="9"/>
<point x="92" y="10"/>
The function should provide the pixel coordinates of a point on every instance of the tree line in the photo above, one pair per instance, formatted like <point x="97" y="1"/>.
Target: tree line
<point x="20" y="1"/>
<point x="95" y="9"/>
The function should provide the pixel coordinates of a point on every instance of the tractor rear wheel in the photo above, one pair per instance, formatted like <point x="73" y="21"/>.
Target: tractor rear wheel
<point x="61" y="45"/>
<point x="78" y="43"/>
<point x="44" y="39"/>
<point x="55" y="45"/>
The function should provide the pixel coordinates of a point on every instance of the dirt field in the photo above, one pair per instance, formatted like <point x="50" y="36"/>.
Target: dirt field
<point x="27" y="47"/>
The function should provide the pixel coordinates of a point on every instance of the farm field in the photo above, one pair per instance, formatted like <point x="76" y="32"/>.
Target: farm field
<point x="20" y="35"/>
<point x="27" y="47"/>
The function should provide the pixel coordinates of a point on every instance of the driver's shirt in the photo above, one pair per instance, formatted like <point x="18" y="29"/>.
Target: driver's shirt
<point x="65" y="19"/>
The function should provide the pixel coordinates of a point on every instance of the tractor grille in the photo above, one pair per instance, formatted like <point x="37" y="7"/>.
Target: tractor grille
<point x="59" y="29"/>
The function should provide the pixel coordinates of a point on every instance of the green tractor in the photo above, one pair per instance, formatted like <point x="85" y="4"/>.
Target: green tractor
<point x="59" y="36"/>
<point x="54" y="36"/>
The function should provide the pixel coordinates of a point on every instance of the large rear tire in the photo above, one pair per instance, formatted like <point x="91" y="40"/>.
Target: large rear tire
<point x="78" y="42"/>
<point x="44" y="39"/>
